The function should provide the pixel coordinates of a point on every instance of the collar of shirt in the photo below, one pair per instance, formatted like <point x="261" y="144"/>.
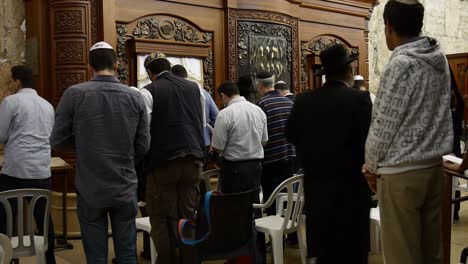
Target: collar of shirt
<point x="288" y="94"/>
<point x="236" y="100"/>
<point x="105" y="78"/>
<point x="27" y="90"/>
<point x="275" y="92"/>
<point x="161" y="73"/>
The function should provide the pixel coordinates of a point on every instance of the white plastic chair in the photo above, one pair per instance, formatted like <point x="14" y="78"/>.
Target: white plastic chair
<point x="6" y="251"/>
<point x="29" y="244"/>
<point x="375" y="220"/>
<point x="291" y="221"/>
<point x="143" y="223"/>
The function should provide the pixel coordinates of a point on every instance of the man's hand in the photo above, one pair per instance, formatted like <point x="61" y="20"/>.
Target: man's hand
<point x="453" y="166"/>
<point x="371" y="178"/>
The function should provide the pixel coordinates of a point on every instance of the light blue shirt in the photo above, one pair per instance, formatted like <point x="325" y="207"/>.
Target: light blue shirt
<point x="26" y="122"/>
<point x="211" y="112"/>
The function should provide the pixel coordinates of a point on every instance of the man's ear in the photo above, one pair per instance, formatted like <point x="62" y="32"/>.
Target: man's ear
<point x="115" y="66"/>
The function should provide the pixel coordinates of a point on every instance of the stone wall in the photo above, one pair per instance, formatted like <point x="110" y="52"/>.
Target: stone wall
<point x="445" y="20"/>
<point x="12" y="40"/>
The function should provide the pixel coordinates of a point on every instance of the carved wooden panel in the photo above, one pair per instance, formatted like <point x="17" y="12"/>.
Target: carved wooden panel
<point x="69" y="20"/>
<point x="250" y="30"/>
<point x="65" y="79"/>
<point x="314" y="47"/>
<point x="70" y="40"/>
<point x="165" y="30"/>
<point x="70" y="52"/>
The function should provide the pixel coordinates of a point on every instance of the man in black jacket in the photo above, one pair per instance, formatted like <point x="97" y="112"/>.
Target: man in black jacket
<point x="176" y="153"/>
<point x="329" y="128"/>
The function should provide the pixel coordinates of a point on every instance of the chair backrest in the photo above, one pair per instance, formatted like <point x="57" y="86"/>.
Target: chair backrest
<point x="231" y="221"/>
<point x="294" y="198"/>
<point x="5" y="249"/>
<point x="19" y="197"/>
<point x="206" y="175"/>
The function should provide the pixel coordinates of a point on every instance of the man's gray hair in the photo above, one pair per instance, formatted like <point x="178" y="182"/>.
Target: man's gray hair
<point x="267" y="82"/>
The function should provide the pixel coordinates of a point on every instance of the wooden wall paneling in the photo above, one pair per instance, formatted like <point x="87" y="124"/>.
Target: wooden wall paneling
<point x="108" y="22"/>
<point x="208" y="19"/>
<point x="70" y="42"/>
<point x="169" y="34"/>
<point x="38" y="45"/>
<point x="313" y="48"/>
<point x="459" y="65"/>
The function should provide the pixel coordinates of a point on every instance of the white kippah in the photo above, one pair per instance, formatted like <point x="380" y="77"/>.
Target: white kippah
<point x="408" y="2"/>
<point x="101" y="45"/>
<point x="280" y="82"/>
<point x="358" y="78"/>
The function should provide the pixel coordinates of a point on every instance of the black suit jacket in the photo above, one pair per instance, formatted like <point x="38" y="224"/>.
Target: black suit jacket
<point x="329" y="127"/>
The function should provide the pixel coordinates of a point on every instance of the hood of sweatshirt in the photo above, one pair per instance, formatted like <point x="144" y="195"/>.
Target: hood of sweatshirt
<point x="425" y="49"/>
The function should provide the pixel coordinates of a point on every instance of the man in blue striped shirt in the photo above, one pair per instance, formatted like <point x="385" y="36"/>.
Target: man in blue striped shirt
<point x="278" y="163"/>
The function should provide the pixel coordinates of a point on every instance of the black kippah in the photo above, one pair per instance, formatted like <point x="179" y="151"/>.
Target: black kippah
<point x="264" y="75"/>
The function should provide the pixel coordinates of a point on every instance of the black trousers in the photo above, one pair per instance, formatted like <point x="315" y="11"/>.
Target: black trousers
<point x="12" y="183"/>
<point x="273" y="175"/>
<point x="241" y="176"/>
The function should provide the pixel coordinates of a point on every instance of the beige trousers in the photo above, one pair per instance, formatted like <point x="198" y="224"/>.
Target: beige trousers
<point x="171" y="194"/>
<point x="410" y="211"/>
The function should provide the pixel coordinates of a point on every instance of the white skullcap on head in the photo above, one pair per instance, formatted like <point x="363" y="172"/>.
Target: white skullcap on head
<point x="280" y="82"/>
<point x="101" y="45"/>
<point x="408" y="2"/>
<point x="358" y="78"/>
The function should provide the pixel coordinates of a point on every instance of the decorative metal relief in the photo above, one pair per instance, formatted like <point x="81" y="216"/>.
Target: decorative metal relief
<point x="262" y="40"/>
<point x="163" y="27"/>
<point x="264" y="47"/>
<point x="315" y="46"/>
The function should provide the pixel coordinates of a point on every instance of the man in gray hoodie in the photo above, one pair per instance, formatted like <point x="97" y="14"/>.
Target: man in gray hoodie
<point x="411" y="130"/>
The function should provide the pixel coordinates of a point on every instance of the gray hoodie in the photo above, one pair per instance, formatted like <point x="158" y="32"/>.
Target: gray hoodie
<point x="411" y="121"/>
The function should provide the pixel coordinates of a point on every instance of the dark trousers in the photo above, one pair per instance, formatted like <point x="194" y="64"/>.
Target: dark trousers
<point x="337" y="219"/>
<point x="457" y="151"/>
<point x="241" y="176"/>
<point x="94" y="231"/>
<point x="171" y="194"/>
<point x="273" y="174"/>
<point x="11" y="183"/>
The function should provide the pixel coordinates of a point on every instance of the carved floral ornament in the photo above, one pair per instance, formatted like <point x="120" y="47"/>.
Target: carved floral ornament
<point x="163" y="27"/>
<point x="316" y="46"/>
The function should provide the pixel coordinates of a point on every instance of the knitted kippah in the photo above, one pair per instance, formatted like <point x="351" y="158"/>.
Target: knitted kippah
<point x="264" y="75"/>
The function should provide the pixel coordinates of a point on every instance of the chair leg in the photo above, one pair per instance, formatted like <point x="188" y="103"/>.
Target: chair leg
<point x="301" y="235"/>
<point x="154" y="254"/>
<point x="277" y="246"/>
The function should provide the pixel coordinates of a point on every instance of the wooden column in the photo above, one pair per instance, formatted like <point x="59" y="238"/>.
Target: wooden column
<point x="70" y="41"/>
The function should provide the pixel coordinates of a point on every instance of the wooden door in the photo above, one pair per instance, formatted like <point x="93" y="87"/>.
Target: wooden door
<point x="459" y="65"/>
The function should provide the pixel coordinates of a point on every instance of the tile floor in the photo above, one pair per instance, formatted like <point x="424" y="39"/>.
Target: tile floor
<point x="459" y="241"/>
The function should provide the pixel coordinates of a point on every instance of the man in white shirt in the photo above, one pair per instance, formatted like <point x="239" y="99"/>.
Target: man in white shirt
<point x="239" y="135"/>
<point x="26" y="122"/>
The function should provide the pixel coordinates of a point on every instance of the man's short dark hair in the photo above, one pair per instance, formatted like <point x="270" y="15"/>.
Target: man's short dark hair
<point x="245" y="85"/>
<point x="102" y="59"/>
<point x="159" y="65"/>
<point x="179" y="70"/>
<point x="24" y="74"/>
<point x="229" y="88"/>
<point x="406" y="20"/>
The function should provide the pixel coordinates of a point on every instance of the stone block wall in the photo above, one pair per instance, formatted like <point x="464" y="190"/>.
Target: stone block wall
<point x="445" y="20"/>
<point x="12" y="41"/>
